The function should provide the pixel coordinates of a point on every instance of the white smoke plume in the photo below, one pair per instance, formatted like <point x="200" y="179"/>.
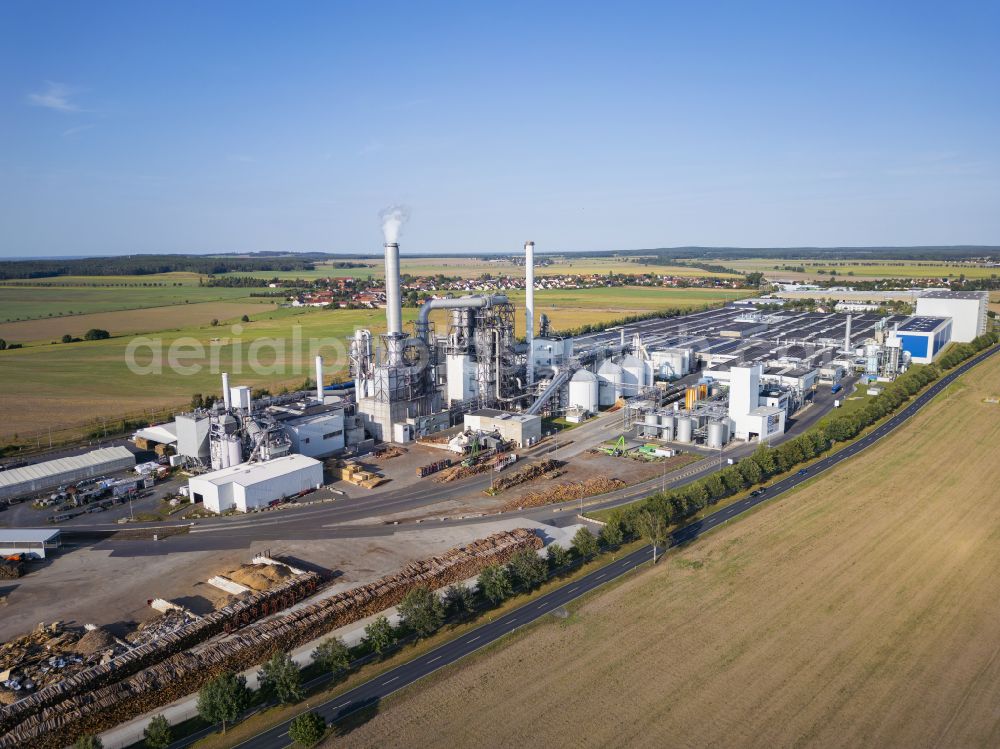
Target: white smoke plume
<point x="393" y="219"/>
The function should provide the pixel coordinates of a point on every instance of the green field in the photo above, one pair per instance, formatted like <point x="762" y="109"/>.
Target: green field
<point x="59" y="384"/>
<point x="32" y="302"/>
<point x="862" y="270"/>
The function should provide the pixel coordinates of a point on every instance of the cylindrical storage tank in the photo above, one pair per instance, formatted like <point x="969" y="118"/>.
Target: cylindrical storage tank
<point x="667" y="426"/>
<point x="584" y="391"/>
<point x="235" y="449"/>
<point x="716" y="434"/>
<point x="633" y="375"/>
<point x="690" y="397"/>
<point x="609" y="377"/>
<point x="684" y="429"/>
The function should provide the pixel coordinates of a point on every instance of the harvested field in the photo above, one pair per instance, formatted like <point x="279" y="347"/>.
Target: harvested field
<point x="132" y="321"/>
<point x="863" y="610"/>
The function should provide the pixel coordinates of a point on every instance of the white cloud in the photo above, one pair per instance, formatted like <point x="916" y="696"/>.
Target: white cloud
<point x="55" y="96"/>
<point x="76" y="130"/>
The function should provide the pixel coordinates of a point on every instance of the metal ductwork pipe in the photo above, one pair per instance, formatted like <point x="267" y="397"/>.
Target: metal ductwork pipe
<point x="393" y="300"/>
<point x="463" y="302"/>
<point x="529" y="306"/>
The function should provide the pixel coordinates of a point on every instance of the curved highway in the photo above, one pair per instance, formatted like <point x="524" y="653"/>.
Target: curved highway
<point x="369" y="694"/>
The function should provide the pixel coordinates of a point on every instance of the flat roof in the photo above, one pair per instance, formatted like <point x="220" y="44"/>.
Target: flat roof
<point x="251" y="473"/>
<point x="51" y="468"/>
<point x="27" y="535"/>
<point x="977" y="295"/>
<point x="922" y="324"/>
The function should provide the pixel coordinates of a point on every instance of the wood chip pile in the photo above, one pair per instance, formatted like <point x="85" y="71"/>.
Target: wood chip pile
<point x="184" y="673"/>
<point x="565" y="492"/>
<point x="258" y="576"/>
<point x="237" y="614"/>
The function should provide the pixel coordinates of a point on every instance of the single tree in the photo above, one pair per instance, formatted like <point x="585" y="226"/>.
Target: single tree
<point x="96" y="334"/>
<point x="528" y="569"/>
<point x="197" y="401"/>
<point x="611" y="535"/>
<point x="88" y="742"/>
<point x="459" y="600"/>
<point x="281" y="678"/>
<point x="558" y="556"/>
<point x="215" y="322"/>
<point x="223" y="699"/>
<point x="653" y="528"/>
<point x="307" y="729"/>
<point x="585" y="543"/>
<point x="3" y="344"/>
<point x="245" y="318"/>
<point x="333" y="656"/>
<point x="422" y="611"/>
<point x="157" y="734"/>
<point x="67" y="338"/>
<point x="494" y="583"/>
<point x="379" y="635"/>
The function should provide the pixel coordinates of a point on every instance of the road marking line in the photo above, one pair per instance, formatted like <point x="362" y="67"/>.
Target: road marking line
<point x="572" y="589"/>
<point x="340" y="706"/>
<point x="390" y="680"/>
<point x="599" y="576"/>
<point x="435" y="658"/>
<point x="473" y="639"/>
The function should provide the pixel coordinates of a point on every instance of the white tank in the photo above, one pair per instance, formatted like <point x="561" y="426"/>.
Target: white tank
<point x="633" y="375"/>
<point x="716" y="434"/>
<point x="684" y="429"/>
<point x="609" y="377"/>
<point x="235" y="450"/>
<point x="584" y="391"/>
<point x="667" y="425"/>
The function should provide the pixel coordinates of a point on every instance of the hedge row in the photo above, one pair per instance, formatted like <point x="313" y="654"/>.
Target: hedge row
<point x="677" y="505"/>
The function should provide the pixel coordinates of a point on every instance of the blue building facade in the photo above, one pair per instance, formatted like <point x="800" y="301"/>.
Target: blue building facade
<point x="924" y="337"/>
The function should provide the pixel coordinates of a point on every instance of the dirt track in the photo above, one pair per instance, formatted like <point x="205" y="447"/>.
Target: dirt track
<point x="862" y="610"/>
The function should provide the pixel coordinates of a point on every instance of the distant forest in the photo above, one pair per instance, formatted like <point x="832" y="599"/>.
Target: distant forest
<point x="143" y="265"/>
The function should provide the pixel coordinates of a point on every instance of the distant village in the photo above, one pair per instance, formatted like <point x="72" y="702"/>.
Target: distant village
<point x="358" y="293"/>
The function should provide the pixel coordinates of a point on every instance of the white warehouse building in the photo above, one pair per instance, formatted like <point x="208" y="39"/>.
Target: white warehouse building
<point x="251" y="486"/>
<point x="967" y="310"/>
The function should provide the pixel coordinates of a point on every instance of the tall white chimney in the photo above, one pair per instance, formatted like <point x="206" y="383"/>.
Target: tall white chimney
<point x="319" y="378"/>
<point x="847" y="335"/>
<point x="393" y="301"/>
<point x="227" y="397"/>
<point x="529" y="306"/>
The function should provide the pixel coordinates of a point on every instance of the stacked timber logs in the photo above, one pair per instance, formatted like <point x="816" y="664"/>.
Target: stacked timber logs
<point x="565" y="492"/>
<point x="528" y="473"/>
<point x="184" y="673"/>
<point x="227" y="619"/>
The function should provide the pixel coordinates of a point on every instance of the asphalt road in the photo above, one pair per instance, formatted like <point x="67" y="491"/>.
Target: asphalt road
<point x="369" y="694"/>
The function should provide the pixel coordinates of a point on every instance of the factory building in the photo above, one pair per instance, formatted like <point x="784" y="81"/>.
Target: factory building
<point x="967" y="310"/>
<point x="521" y="429"/>
<point x="924" y="337"/>
<point x="252" y="486"/>
<point x="39" y="477"/>
<point x="32" y="542"/>
<point x="750" y="419"/>
<point x="317" y="432"/>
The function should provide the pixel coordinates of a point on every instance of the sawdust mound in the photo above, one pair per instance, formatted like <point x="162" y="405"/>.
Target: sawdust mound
<point x="94" y="641"/>
<point x="258" y="576"/>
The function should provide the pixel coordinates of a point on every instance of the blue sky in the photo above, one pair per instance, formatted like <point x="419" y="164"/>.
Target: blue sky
<point x="231" y="126"/>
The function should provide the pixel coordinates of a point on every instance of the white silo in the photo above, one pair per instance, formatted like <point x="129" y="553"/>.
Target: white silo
<point x="684" y="429"/>
<point x="609" y="377"/>
<point x="716" y="434"/>
<point x="633" y="375"/>
<point x="584" y="391"/>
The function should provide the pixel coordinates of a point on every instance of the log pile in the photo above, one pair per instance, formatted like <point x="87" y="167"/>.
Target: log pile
<point x="237" y="614"/>
<point x="11" y="569"/>
<point x="463" y="472"/>
<point x="184" y="673"/>
<point x="565" y="492"/>
<point x="528" y="473"/>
